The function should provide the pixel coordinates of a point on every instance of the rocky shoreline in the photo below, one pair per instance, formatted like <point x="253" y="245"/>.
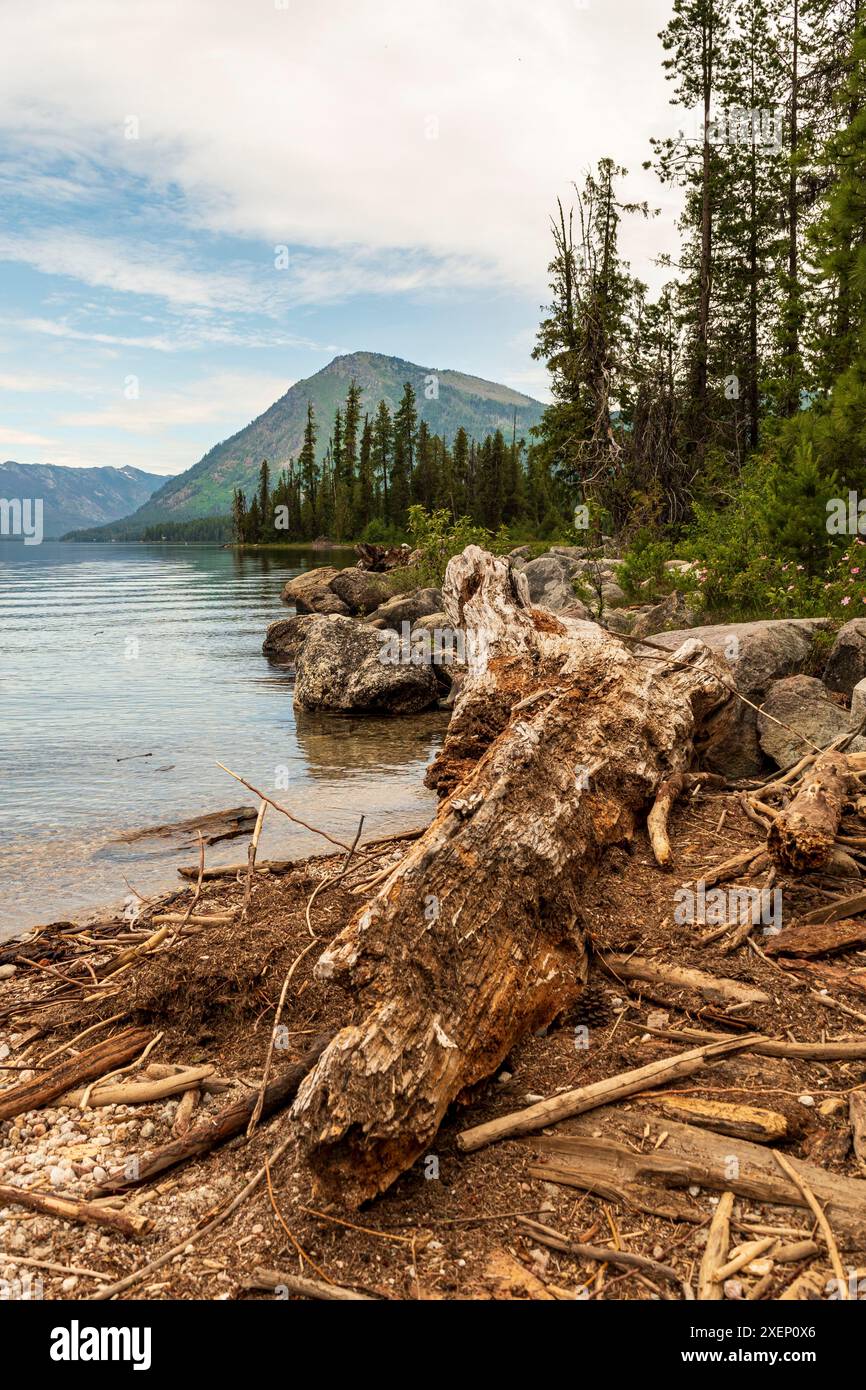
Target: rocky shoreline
<point x="358" y="648"/>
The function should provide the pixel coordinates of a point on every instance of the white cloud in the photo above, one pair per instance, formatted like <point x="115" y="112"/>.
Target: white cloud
<point x="308" y="125"/>
<point x="22" y="437"/>
<point x="228" y="398"/>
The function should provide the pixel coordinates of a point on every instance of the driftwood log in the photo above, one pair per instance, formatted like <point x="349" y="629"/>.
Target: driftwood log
<point x="559" y="742"/>
<point x="95" y="1061"/>
<point x="803" y="836"/>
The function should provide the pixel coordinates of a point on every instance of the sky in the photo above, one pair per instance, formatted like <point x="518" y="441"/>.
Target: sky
<point x="203" y="201"/>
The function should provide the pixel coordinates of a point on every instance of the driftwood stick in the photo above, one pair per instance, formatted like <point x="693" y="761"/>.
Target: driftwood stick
<point x="210" y="1132"/>
<point x="716" y="1250"/>
<point x="657" y="820"/>
<point x="251" y="858"/>
<point x="545" y="1235"/>
<point x="138" y="1092"/>
<point x="70" y="1209"/>
<point x="798" y="1178"/>
<point x="628" y="1083"/>
<point x="87" y="1066"/>
<point x="275" y="1280"/>
<point x="844" y="1051"/>
<point x="718" y="990"/>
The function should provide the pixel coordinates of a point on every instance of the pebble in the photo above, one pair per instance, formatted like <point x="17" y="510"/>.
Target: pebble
<point x="148" y="1129"/>
<point x="806" y="1100"/>
<point x="7" y="971"/>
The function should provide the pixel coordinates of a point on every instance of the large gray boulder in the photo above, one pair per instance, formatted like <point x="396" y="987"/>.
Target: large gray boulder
<point x="549" y="580"/>
<point x="362" y="591"/>
<point x="803" y="705"/>
<point x="285" y="637"/>
<point x="846" y="664"/>
<point x="756" y="654"/>
<point x="346" y="667"/>
<point x="311" y="592"/>
<point x="407" y="608"/>
<point x="672" y="613"/>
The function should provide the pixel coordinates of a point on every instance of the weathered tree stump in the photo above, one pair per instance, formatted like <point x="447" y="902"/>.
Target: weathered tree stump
<point x="559" y="741"/>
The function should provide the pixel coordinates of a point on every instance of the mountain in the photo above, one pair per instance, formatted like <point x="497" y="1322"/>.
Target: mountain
<point x="481" y="407"/>
<point x="74" y="497"/>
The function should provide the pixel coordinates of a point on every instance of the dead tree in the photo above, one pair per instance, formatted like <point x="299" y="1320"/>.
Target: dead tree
<point x="559" y="741"/>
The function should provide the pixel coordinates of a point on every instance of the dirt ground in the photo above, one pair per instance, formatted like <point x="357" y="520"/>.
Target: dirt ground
<point x="450" y="1228"/>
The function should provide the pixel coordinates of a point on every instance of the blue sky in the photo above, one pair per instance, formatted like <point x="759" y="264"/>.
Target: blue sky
<point x="156" y="157"/>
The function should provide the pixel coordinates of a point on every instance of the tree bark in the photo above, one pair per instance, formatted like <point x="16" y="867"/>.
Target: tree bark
<point x="559" y="741"/>
<point x="803" y="836"/>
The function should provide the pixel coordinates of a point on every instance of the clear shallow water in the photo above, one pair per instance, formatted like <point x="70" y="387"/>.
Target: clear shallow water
<point x="108" y="652"/>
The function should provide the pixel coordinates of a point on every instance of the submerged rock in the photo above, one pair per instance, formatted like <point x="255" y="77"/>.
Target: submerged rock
<point x="346" y="667"/>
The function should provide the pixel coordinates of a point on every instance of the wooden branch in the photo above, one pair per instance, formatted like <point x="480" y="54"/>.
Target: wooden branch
<point x="739" y="1121"/>
<point x="818" y="939"/>
<point x="712" y="987"/>
<point x="545" y="1235"/>
<point x="657" y="820"/>
<point x="103" y="1057"/>
<point x="628" y="1083"/>
<point x="843" y="1051"/>
<point x="798" y="1176"/>
<point x="274" y="1280"/>
<point x="802" y="837"/>
<point x="138" y="1092"/>
<point x="716" y="1251"/>
<point x="70" y="1209"/>
<point x="690" y="1157"/>
<point x="857" y="1120"/>
<point x="213" y="1131"/>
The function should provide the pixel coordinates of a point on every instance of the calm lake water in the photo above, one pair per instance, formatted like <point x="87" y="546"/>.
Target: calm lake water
<point x="112" y="652"/>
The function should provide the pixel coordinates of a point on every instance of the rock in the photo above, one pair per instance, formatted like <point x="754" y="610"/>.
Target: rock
<point x="343" y="668"/>
<point x="858" y="702"/>
<point x="284" y="638"/>
<point x="549" y="580"/>
<point x="407" y="608"/>
<point x="361" y="590"/>
<point x="431" y="622"/>
<point x="310" y="592"/>
<point x="756" y="654"/>
<point x="612" y="595"/>
<point x="621" y="620"/>
<point x="570" y="552"/>
<point x="7" y="971"/>
<point x="846" y="664"/>
<point x="519" y="556"/>
<point x="577" y="610"/>
<point x="803" y="703"/>
<point x="673" y="613"/>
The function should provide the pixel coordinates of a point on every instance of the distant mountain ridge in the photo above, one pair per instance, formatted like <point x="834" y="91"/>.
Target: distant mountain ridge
<point x="446" y="400"/>
<point x="75" y="497"/>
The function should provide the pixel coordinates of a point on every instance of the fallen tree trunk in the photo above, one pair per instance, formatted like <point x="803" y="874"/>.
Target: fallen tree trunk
<point x="802" y="837"/>
<point x="559" y="741"/>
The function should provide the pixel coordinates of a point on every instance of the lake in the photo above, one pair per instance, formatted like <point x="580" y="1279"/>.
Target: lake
<point x="126" y="673"/>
